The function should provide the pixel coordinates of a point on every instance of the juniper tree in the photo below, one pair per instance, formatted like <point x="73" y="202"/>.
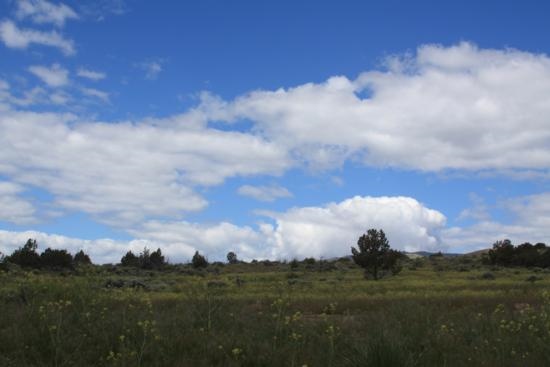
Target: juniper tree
<point x="375" y="255"/>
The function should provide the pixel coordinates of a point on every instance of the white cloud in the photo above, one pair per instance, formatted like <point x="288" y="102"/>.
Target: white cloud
<point x="479" y="210"/>
<point x="14" y="37"/>
<point x="41" y="11"/>
<point x="91" y="92"/>
<point x="91" y="74"/>
<point x="13" y="208"/>
<point x="5" y="95"/>
<point x="54" y="76"/>
<point x="300" y="232"/>
<point x="59" y="98"/>
<point x="326" y="231"/>
<point x="459" y="108"/>
<point x="181" y="239"/>
<point x="152" y="69"/>
<point x="331" y="230"/>
<point x="29" y="97"/>
<point x="456" y="107"/>
<point x="99" y="10"/>
<point x="34" y="96"/>
<point x="323" y="231"/>
<point x="530" y="223"/>
<point x="122" y="173"/>
<point x="264" y="193"/>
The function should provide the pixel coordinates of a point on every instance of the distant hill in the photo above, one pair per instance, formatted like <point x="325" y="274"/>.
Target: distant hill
<point x="478" y="252"/>
<point x="421" y="254"/>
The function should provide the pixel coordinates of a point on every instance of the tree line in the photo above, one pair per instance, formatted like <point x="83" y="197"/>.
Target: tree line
<point x="373" y="254"/>
<point x="28" y="257"/>
<point x="54" y="259"/>
<point x="504" y="253"/>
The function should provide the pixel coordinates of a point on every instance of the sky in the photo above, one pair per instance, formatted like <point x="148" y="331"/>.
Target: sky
<point x="274" y="129"/>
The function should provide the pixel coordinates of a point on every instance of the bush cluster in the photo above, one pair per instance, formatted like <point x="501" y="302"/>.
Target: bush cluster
<point x="198" y="261"/>
<point x="53" y="259"/>
<point x="146" y="260"/>
<point x="504" y="253"/>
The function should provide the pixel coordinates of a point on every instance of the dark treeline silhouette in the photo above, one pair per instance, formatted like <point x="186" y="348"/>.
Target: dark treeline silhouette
<point x="146" y="260"/>
<point x="504" y="253"/>
<point x="373" y="254"/>
<point x="27" y="257"/>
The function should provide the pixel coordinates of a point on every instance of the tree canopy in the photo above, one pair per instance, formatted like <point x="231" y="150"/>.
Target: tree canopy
<point x="199" y="261"/>
<point x="375" y="255"/>
<point x="232" y="257"/>
<point x="504" y="253"/>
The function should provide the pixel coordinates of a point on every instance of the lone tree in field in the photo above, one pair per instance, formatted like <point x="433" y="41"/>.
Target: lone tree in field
<point x="232" y="257"/>
<point x="375" y="255"/>
<point x="199" y="261"/>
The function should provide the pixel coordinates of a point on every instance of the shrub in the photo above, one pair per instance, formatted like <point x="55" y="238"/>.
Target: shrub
<point x="533" y="278"/>
<point x="504" y="253"/>
<point x="151" y="260"/>
<point x="56" y="259"/>
<point x="81" y="258"/>
<point x="3" y="262"/>
<point x="26" y="256"/>
<point x="198" y="261"/>
<point x="129" y="259"/>
<point x="232" y="257"/>
<point x="146" y="260"/>
<point x="157" y="260"/>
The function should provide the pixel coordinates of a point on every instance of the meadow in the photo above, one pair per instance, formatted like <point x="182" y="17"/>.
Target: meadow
<point x="435" y="312"/>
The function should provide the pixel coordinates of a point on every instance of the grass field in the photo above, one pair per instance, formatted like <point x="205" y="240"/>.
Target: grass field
<point x="435" y="313"/>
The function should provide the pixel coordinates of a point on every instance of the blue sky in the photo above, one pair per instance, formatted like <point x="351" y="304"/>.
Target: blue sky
<point x="273" y="129"/>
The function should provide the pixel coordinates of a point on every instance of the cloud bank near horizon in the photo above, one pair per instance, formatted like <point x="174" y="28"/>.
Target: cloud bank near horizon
<point x="327" y="231"/>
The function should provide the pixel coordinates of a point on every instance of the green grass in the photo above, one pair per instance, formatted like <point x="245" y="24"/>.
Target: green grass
<point x="274" y="317"/>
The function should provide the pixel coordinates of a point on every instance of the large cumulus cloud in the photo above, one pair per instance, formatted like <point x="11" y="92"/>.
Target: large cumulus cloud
<point x="456" y="107"/>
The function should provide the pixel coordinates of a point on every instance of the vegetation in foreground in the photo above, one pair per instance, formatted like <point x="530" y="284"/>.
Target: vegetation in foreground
<point x="436" y="312"/>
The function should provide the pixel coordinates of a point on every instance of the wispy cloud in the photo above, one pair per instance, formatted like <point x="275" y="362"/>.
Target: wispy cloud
<point x="18" y="38"/>
<point x="54" y="76"/>
<point x="530" y="221"/>
<point x="91" y="74"/>
<point x="34" y="96"/>
<point x="41" y="11"/>
<point x="91" y="92"/>
<point x="478" y="211"/>
<point x="152" y="68"/>
<point x="264" y="193"/>
<point x="100" y="9"/>
<point x="13" y="208"/>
